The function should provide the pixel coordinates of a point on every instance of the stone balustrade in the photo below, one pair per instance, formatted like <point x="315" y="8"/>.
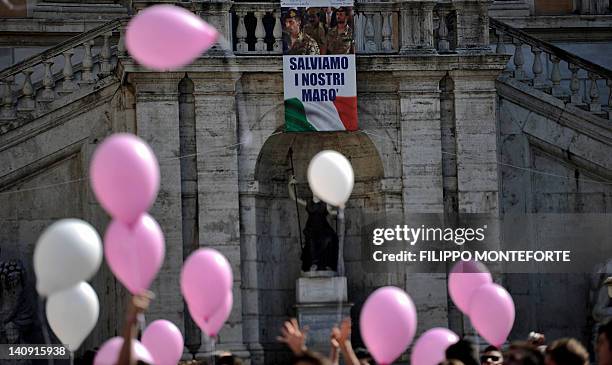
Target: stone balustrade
<point x="572" y="79"/>
<point x="257" y="28"/>
<point x="376" y="28"/>
<point x="28" y="87"/>
<point x="393" y="27"/>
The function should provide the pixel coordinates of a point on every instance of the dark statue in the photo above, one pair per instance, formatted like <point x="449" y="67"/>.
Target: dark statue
<point x="320" y="250"/>
<point x="19" y="322"/>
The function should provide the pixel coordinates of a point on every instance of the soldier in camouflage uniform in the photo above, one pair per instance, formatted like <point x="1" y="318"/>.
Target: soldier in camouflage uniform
<point x="315" y="28"/>
<point x="297" y="42"/>
<point x="340" y="38"/>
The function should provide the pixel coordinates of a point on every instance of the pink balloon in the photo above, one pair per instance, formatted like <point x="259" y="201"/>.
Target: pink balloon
<point x="135" y="253"/>
<point x="125" y="176"/>
<point x="108" y="354"/>
<point x="465" y="278"/>
<point x="206" y="279"/>
<point x="163" y="37"/>
<point x="164" y="341"/>
<point x="492" y="313"/>
<point x="388" y="323"/>
<point x="430" y="348"/>
<point x="217" y="320"/>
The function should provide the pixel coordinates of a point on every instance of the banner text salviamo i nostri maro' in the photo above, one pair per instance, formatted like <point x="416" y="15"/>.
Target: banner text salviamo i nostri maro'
<point x="319" y="65"/>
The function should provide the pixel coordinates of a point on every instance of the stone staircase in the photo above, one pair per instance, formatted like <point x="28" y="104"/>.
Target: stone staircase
<point x="60" y="75"/>
<point x="583" y="91"/>
<point x="83" y="64"/>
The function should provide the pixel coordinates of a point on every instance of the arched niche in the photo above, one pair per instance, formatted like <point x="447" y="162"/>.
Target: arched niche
<point x="276" y="224"/>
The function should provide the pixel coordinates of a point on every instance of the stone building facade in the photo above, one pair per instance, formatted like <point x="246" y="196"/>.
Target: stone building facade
<point x="456" y="111"/>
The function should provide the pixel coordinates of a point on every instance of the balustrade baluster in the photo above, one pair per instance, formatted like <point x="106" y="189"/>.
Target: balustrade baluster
<point x="539" y="79"/>
<point x="105" y="56"/>
<point x="27" y="103"/>
<point x="519" y="74"/>
<point x="241" y="33"/>
<point x="575" y="97"/>
<point x="609" y="83"/>
<point x="8" y="110"/>
<point x="555" y="77"/>
<point x="68" y="86"/>
<point x="371" y="46"/>
<point x="260" y="33"/>
<point x="594" y="104"/>
<point x="387" y="32"/>
<point x="87" y="64"/>
<point x="443" y="43"/>
<point x="501" y="46"/>
<point x="359" y="33"/>
<point x="47" y="93"/>
<point x="121" y="50"/>
<point x="277" y="32"/>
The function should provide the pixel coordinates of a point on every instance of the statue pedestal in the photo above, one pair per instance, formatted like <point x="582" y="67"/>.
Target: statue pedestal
<point x="321" y="304"/>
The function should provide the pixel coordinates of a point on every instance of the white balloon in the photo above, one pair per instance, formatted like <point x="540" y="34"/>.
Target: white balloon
<point x="331" y="177"/>
<point x="72" y="314"/>
<point x="67" y="252"/>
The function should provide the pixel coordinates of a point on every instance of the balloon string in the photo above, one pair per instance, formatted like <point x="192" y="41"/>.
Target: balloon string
<point x="71" y="358"/>
<point x="212" y="352"/>
<point x="142" y="322"/>
<point x="528" y="169"/>
<point x="339" y="306"/>
<point x="84" y="178"/>
<point x="43" y="323"/>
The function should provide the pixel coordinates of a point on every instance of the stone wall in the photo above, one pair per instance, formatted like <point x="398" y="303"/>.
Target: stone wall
<point x="571" y="150"/>
<point x="229" y="117"/>
<point x="47" y="161"/>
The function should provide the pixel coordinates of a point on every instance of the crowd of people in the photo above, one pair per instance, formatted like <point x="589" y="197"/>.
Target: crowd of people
<point x="533" y="351"/>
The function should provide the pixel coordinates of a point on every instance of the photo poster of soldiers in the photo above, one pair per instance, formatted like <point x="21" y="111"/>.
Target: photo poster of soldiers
<point x="320" y="84"/>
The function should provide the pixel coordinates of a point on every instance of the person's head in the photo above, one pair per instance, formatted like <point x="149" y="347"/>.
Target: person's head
<point x="341" y="15"/>
<point x="313" y="16"/>
<point x="491" y="356"/>
<point x="293" y="22"/>
<point x="523" y="353"/>
<point x="604" y="351"/>
<point x="451" y="362"/>
<point x="566" y="351"/>
<point x="363" y="356"/>
<point x="311" y="358"/>
<point x="463" y="351"/>
<point x="227" y="359"/>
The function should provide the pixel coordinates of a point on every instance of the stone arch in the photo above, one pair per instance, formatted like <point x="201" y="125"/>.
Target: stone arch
<point x="274" y="245"/>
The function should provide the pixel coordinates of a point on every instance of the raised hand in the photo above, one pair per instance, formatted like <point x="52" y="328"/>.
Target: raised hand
<point x="293" y="336"/>
<point x="341" y="335"/>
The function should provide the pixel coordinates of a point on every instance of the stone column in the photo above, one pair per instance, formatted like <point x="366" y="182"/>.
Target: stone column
<point x="157" y="122"/>
<point x="472" y="24"/>
<point x="421" y="141"/>
<point x="218" y="189"/>
<point x="476" y="140"/>
<point x="476" y="150"/>
<point x="217" y="13"/>
<point x="416" y="26"/>
<point x="422" y="179"/>
<point x="250" y="285"/>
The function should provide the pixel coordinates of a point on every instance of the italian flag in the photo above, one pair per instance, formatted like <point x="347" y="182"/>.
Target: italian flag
<point x="337" y="115"/>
